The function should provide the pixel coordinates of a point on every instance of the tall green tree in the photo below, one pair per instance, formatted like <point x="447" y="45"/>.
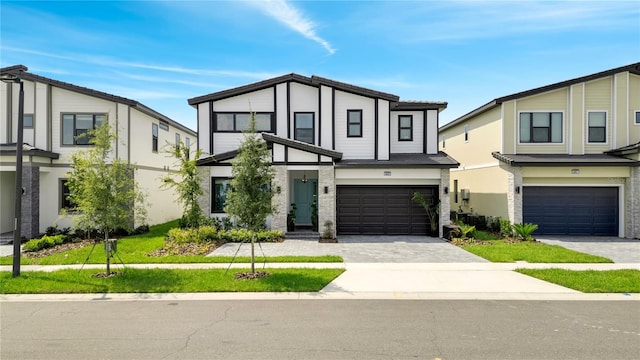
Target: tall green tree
<point x="250" y="195"/>
<point x="187" y="183"/>
<point x="103" y="189"/>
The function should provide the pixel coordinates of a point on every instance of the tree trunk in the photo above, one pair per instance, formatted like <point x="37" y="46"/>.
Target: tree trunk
<point x="253" y="263"/>
<point x="107" y="250"/>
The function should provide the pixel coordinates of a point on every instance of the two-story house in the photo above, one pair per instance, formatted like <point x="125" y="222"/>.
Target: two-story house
<point x="354" y="156"/>
<point x="563" y="156"/>
<point x="55" y="113"/>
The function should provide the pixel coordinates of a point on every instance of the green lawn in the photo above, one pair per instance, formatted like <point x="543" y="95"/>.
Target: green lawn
<point x="590" y="281"/>
<point x="134" y="250"/>
<point x="165" y="281"/>
<point x="532" y="252"/>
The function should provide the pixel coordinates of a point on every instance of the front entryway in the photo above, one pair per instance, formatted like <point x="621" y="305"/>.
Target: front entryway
<point x="305" y="196"/>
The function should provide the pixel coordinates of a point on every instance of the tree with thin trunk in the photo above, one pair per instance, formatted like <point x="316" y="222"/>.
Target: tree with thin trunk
<point x="250" y="195"/>
<point x="187" y="183"/>
<point x="103" y="189"/>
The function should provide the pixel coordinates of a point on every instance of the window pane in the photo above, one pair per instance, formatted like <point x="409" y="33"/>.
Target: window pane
<point x="305" y="135"/>
<point x="67" y="129"/>
<point x="220" y="187"/>
<point x="100" y="119"/>
<point x="154" y="130"/>
<point x="540" y="119"/>
<point x="354" y="117"/>
<point x="304" y="121"/>
<point x="242" y="122"/>
<point x="525" y="127"/>
<point x="597" y="135"/>
<point x="556" y="127"/>
<point x="84" y="121"/>
<point x="405" y="134"/>
<point x="541" y="134"/>
<point x="405" y="121"/>
<point x="354" y="130"/>
<point x="637" y="117"/>
<point x="224" y="122"/>
<point x="27" y="120"/>
<point x="597" y="119"/>
<point x="82" y="138"/>
<point x="263" y="122"/>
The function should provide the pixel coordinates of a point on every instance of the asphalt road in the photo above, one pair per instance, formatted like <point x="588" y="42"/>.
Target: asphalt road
<point x="320" y="329"/>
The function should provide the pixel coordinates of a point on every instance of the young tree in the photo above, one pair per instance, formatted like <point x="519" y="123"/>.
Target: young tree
<point x="103" y="189"/>
<point x="249" y="199"/>
<point x="187" y="183"/>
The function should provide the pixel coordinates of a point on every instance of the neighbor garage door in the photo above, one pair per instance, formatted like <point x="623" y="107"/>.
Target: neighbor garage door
<point x="382" y="210"/>
<point x="571" y="210"/>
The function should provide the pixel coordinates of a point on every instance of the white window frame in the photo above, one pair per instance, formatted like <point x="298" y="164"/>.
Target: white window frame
<point x="606" y="127"/>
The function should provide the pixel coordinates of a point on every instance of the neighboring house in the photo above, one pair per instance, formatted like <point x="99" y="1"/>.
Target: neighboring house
<point x="353" y="155"/>
<point x="563" y="156"/>
<point x="55" y="113"/>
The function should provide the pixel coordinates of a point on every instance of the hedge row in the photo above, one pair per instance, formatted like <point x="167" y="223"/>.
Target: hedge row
<point x="44" y="242"/>
<point x="211" y="233"/>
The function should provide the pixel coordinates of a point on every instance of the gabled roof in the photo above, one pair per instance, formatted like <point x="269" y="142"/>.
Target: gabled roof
<point x="549" y="160"/>
<point x="27" y="150"/>
<point x="632" y="68"/>
<point x="21" y="72"/>
<point x="439" y="160"/>
<point x="273" y="139"/>
<point x="314" y="80"/>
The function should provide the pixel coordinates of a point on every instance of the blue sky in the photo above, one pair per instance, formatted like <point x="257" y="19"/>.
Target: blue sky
<point x="467" y="53"/>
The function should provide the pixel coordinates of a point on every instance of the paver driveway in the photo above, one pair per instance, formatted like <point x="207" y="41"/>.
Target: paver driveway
<point x="619" y="250"/>
<point x="365" y="249"/>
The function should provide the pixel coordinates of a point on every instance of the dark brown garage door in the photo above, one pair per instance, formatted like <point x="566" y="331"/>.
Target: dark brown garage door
<point x="571" y="210"/>
<point x="382" y="210"/>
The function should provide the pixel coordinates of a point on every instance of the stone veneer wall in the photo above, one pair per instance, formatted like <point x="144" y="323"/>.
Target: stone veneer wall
<point x="445" y="200"/>
<point x="280" y="200"/>
<point x="326" y="202"/>
<point x="632" y="229"/>
<point x="30" y="221"/>
<point x="514" y="201"/>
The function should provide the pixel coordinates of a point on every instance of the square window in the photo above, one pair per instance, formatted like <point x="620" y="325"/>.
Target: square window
<point x="27" y="121"/>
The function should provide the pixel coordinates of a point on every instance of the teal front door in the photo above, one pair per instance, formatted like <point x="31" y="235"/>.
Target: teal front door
<point x="304" y="194"/>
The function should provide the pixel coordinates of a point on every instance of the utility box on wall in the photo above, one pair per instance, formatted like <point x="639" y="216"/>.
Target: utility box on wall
<point x="465" y="194"/>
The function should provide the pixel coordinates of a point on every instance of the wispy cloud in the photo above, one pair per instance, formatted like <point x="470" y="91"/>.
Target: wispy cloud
<point x="292" y="17"/>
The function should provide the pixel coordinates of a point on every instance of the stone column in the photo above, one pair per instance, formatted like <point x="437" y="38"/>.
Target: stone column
<point x="280" y="199"/>
<point x="632" y="195"/>
<point x="445" y="200"/>
<point x="514" y="200"/>
<point x="326" y="202"/>
<point x="30" y="221"/>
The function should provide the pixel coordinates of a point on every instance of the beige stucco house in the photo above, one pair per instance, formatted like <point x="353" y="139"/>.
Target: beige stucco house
<point x="563" y="156"/>
<point x="352" y="155"/>
<point x="55" y="112"/>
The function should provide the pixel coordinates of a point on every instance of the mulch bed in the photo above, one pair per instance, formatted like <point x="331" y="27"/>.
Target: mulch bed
<point x="251" y="276"/>
<point x="186" y="249"/>
<point x="58" y="249"/>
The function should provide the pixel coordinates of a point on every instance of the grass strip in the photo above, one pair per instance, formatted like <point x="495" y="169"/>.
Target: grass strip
<point x="590" y="281"/>
<point x="165" y="281"/>
<point x="532" y="252"/>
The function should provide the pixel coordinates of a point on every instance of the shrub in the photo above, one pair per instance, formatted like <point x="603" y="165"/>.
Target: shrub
<point x="524" y="231"/>
<point x="493" y="224"/>
<point x="505" y="228"/>
<point x="44" y="242"/>
<point x="210" y="233"/>
<point x="464" y="230"/>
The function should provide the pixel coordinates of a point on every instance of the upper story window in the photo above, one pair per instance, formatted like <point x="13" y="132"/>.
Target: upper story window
<point x="187" y="144"/>
<point x="238" y="122"/>
<point x="405" y="128"/>
<point x="597" y="122"/>
<point x="444" y="141"/>
<point x="354" y="123"/>
<point x="27" y="121"/>
<point x="177" y="139"/>
<point x="164" y="126"/>
<point x="76" y="126"/>
<point x="154" y="137"/>
<point x="466" y="133"/>
<point x="541" y="127"/>
<point x="637" y="117"/>
<point x="303" y="124"/>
